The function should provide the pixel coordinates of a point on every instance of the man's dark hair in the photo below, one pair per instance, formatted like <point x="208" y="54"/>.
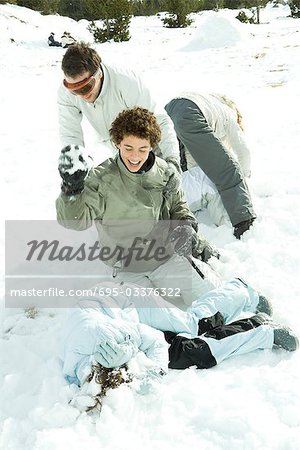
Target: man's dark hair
<point x="80" y="57"/>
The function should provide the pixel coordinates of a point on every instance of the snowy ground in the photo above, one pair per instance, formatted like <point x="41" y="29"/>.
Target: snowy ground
<point x="250" y="402"/>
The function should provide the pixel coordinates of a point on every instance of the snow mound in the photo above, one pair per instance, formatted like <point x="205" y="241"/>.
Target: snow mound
<point x="275" y="10"/>
<point x="216" y="31"/>
<point x="30" y="28"/>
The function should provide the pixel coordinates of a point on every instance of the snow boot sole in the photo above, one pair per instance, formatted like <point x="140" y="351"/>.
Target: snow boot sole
<point x="285" y="338"/>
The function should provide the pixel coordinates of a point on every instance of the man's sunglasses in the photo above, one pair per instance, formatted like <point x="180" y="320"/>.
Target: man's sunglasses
<point x="83" y="87"/>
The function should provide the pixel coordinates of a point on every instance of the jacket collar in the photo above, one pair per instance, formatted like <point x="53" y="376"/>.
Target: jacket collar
<point x="148" y="164"/>
<point x="152" y="178"/>
<point x="105" y="82"/>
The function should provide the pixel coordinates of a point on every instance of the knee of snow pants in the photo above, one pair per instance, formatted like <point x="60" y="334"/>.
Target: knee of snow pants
<point x="185" y="352"/>
<point x="231" y="299"/>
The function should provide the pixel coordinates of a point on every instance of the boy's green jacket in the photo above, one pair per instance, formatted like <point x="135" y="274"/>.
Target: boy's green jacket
<point x="129" y="209"/>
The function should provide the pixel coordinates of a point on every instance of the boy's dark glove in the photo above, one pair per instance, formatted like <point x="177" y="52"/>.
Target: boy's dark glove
<point x="208" y="252"/>
<point x="73" y="166"/>
<point x="186" y="239"/>
<point x="188" y="243"/>
<point x="241" y="227"/>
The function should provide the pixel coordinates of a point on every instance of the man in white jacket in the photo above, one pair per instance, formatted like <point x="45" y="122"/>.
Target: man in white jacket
<point x="215" y="157"/>
<point x="100" y="92"/>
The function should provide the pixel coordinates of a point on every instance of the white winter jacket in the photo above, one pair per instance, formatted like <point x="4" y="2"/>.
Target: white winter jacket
<point x="121" y="89"/>
<point x="67" y="40"/>
<point x="223" y="121"/>
<point x="89" y="325"/>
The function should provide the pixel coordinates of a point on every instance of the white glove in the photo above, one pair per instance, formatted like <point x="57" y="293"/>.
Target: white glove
<point x="113" y="354"/>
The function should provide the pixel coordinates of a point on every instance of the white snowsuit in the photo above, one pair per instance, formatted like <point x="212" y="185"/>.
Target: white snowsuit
<point x="87" y="326"/>
<point x="200" y="336"/>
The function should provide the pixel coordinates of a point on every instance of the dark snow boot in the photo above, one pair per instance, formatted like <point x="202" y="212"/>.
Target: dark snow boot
<point x="264" y="305"/>
<point x="285" y="338"/>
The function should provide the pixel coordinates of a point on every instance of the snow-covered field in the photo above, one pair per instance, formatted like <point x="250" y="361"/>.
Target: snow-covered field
<point x="250" y="402"/>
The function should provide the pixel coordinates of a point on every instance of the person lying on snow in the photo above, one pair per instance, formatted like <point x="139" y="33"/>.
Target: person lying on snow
<point x="106" y="335"/>
<point x="135" y="204"/>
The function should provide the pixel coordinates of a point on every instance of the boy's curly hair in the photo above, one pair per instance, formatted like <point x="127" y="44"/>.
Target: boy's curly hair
<point x="139" y="122"/>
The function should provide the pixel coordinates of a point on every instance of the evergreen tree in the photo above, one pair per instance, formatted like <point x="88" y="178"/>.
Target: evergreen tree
<point x="50" y="6"/>
<point x="257" y="4"/>
<point x="76" y="9"/>
<point x="116" y="16"/>
<point x="214" y="5"/>
<point x="148" y="7"/>
<point x="295" y="8"/>
<point x="178" y="12"/>
<point x="31" y="4"/>
<point x="233" y="4"/>
<point x="245" y="18"/>
<point x="43" y="6"/>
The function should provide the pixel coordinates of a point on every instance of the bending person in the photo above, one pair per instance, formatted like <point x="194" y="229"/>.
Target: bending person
<point x="99" y="92"/>
<point x="215" y="157"/>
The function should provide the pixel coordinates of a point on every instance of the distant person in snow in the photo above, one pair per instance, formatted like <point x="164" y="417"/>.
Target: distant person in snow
<point x="52" y="42"/>
<point x="137" y="210"/>
<point x="109" y="330"/>
<point x="100" y="92"/>
<point x="215" y="157"/>
<point x="67" y="40"/>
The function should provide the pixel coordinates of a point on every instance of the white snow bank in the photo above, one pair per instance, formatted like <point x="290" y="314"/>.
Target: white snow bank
<point x="215" y="30"/>
<point x="273" y="11"/>
<point x="23" y="25"/>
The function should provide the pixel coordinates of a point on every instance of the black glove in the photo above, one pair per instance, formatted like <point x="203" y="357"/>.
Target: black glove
<point x="186" y="239"/>
<point x="207" y="253"/>
<point x="241" y="227"/>
<point x="73" y="167"/>
<point x="189" y="243"/>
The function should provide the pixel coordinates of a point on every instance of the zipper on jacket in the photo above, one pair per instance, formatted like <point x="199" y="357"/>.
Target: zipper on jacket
<point x="117" y="267"/>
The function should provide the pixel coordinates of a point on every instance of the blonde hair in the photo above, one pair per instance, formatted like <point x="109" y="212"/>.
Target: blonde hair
<point x="233" y="106"/>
